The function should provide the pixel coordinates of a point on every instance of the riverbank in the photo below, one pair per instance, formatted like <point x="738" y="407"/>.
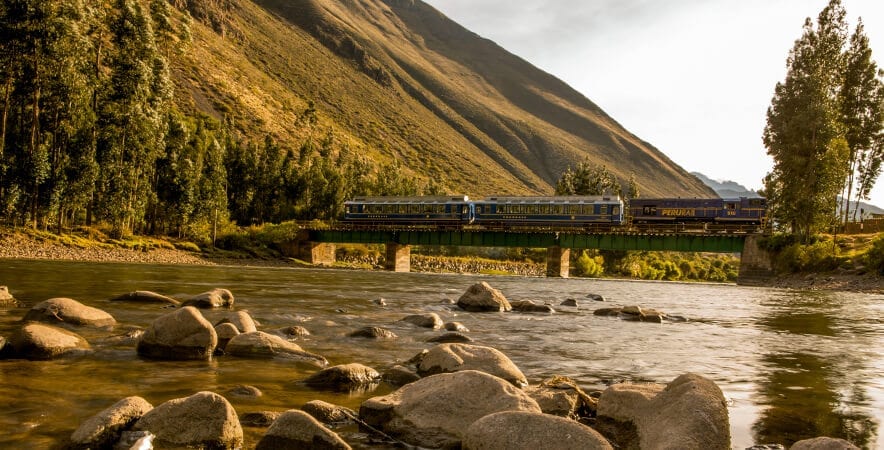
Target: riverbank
<point x="18" y="245"/>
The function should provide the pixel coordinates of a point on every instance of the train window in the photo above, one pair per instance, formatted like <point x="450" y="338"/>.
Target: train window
<point x="615" y="211"/>
<point x="603" y="209"/>
<point x="730" y="205"/>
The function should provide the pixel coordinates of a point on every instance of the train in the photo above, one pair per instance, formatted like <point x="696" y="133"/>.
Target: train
<point x="590" y="213"/>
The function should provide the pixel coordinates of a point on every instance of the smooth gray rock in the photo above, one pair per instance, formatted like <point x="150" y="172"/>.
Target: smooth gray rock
<point x="595" y="297"/>
<point x="259" y="419"/>
<point x="528" y="430"/>
<point x="104" y="429"/>
<point x="435" y="411"/>
<point x="146" y="297"/>
<point x="344" y="377"/>
<point x="374" y="333"/>
<point x="446" y="358"/>
<point x="429" y="320"/>
<point x="216" y="298"/>
<point x="259" y="344"/>
<point x="450" y="337"/>
<point x="400" y="375"/>
<point x="180" y="335"/>
<point x="688" y="413"/>
<point x="481" y="297"/>
<point x="529" y="306"/>
<point x="39" y="341"/>
<point x="292" y="332"/>
<point x="570" y="302"/>
<point x="245" y="391"/>
<point x="456" y="326"/>
<point x="298" y="430"/>
<point x="225" y="331"/>
<point x="241" y="320"/>
<point x="66" y="311"/>
<point x="203" y="420"/>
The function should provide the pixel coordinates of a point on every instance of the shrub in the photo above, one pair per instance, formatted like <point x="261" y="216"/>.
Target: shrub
<point x="587" y="266"/>
<point x="874" y="257"/>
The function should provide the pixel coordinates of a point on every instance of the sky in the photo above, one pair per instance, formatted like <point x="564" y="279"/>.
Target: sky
<point x="692" y="77"/>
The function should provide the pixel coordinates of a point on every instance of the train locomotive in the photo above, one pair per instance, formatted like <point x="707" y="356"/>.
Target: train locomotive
<point x="590" y="213"/>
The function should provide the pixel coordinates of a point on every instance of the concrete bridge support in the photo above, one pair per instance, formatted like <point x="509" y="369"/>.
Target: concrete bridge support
<point x="756" y="265"/>
<point x="558" y="262"/>
<point x="398" y="257"/>
<point x="318" y="253"/>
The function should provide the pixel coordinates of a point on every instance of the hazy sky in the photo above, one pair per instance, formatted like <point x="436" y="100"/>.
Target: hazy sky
<point x="692" y="77"/>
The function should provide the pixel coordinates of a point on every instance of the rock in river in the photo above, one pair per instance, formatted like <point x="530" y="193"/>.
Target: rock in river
<point x="66" y="311"/>
<point x="482" y="297"/>
<point x="519" y="429"/>
<point x="203" y="420"/>
<point x="297" y="429"/>
<point x="180" y="335"/>
<point x="216" y="298"/>
<point x="445" y="358"/>
<point x="259" y="344"/>
<point x="37" y="341"/>
<point x="104" y="429"/>
<point x="145" y="297"/>
<point x="436" y="411"/>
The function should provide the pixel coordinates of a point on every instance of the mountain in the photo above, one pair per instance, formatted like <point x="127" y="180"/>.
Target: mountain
<point x="396" y="80"/>
<point x="726" y="189"/>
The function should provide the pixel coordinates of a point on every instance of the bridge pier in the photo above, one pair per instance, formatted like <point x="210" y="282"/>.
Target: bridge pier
<point x="558" y="262"/>
<point x="318" y="253"/>
<point x="756" y="265"/>
<point x="398" y="257"/>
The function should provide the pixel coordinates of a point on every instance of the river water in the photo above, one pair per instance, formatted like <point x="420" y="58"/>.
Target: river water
<point x="792" y="364"/>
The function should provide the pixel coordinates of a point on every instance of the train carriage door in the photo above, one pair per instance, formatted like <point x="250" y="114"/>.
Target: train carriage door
<point x="731" y="208"/>
<point x="472" y="212"/>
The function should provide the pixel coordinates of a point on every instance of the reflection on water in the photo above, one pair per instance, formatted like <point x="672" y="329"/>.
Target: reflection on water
<point x="811" y="394"/>
<point x="793" y="365"/>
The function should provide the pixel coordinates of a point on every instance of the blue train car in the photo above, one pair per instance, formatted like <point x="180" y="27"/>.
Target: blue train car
<point x="419" y="210"/>
<point x="570" y="211"/>
<point x="743" y="210"/>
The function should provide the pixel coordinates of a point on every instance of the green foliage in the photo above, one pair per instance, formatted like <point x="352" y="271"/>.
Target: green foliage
<point x="588" y="266"/>
<point x="819" y="256"/>
<point x="874" y="257"/>
<point x="588" y="179"/>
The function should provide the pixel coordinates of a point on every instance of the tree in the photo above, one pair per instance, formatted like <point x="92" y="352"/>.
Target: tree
<point x="862" y="112"/>
<point x="588" y="179"/>
<point x="803" y="133"/>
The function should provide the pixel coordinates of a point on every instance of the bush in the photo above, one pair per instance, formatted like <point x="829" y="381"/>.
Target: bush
<point x="874" y="257"/>
<point x="587" y="266"/>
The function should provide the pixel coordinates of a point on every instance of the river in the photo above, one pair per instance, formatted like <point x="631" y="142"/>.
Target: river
<point x="792" y="364"/>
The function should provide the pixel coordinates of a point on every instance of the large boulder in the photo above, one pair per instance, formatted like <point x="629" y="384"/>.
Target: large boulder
<point x="297" y="429"/>
<point x="66" y="311"/>
<point x="428" y="320"/>
<point x="146" y="297"/>
<point x="518" y="429"/>
<point x="688" y="413"/>
<point x="37" y="341"/>
<point x="6" y="298"/>
<point x="259" y="344"/>
<point x="345" y="377"/>
<point x="435" y="411"/>
<point x="180" y="335"/>
<point x="225" y="331"/>
<point x="104" y="429"/>
<point x="481" y="297"/>
<point x="204" y="420"/>
<point x="241" y="320"/>
<point x="823" y="443"/>
<point x="445" y="358"/>
<point x="216" y="298"/>
<point x="561" y="396"/>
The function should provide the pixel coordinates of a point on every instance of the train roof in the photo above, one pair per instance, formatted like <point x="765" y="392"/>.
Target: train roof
<point x="412" y="199"/>
<point x="556" y="199"/>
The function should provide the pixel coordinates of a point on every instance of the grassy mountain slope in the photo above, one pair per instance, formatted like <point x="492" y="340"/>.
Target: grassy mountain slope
<point x="397" y="80"/>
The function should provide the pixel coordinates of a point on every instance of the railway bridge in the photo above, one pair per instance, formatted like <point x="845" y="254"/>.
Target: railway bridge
<point x="317" y="245"/>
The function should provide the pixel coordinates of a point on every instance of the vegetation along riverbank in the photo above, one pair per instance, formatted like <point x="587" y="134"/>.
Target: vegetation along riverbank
<point x="848" y="263"/>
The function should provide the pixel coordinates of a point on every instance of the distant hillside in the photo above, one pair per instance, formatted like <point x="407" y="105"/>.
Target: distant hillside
<point x="726" y="189"/>
<point x="396" y="80"/>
